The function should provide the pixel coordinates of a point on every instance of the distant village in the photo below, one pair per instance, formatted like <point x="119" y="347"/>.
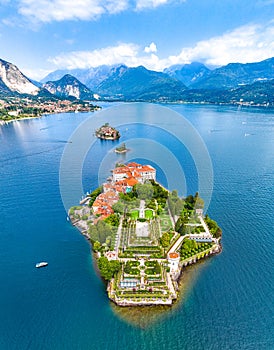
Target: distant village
<point x="17" y="108"/>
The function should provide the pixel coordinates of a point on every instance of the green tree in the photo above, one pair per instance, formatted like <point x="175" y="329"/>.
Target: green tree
<point x="114" y="266"/>
<point x="96" y="246"/>
<point x="93" y="234"/>
<point x="108" y="268"/>
<point x="112" y="220"/>
<point x="213" y="227"/>
<point x="180" y="226"/>
<point x="179" y="205"/>
<point x="199" y="202"/>
<point x="174" y="193"/>
<point x="188" y="245"/>
<point x="104" y="267"/>
<point x="189" y="202"/>
<point x="165" y="240"/>
<point x="118" y="207"/>
<point x="144" y="191"/>
<point x="93" y="195"/>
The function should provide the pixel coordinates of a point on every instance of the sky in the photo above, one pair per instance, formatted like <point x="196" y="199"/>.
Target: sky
<point x="41" y="36"/>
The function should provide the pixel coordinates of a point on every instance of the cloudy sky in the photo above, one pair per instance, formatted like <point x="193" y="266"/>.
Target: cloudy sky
<point x="40" y="36"/>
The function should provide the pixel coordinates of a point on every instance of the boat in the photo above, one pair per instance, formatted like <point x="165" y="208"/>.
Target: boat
<point x="41" y="264"/>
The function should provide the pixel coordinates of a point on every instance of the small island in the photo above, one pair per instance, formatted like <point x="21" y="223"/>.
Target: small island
<point x="107" y="132"/>
<point x="121" y="149"/>
<point x="144" y="236"/>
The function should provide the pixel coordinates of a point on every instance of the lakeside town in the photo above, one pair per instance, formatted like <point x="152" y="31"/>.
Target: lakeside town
<point x="14" y="108"/>
<point x="143" y="235"/>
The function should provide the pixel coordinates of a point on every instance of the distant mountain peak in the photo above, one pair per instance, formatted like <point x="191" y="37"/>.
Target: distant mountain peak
<point x="188" y="73"/>
<point x="15" y="80"/>
<point x="67" y="86"/>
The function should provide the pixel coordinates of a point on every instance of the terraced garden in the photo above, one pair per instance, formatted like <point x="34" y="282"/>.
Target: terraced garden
<point x="199" y="248"/>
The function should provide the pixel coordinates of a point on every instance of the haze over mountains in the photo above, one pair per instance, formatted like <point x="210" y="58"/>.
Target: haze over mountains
<point x="250" y="82"/>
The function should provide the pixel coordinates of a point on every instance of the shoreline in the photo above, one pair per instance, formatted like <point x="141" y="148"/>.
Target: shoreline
<point x="4" y="122"/>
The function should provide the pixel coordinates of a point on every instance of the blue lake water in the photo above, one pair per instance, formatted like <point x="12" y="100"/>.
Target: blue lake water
<point x="228" y="303"/>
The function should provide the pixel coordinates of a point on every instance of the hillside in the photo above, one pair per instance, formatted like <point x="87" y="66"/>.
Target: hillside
<point x="140" y="84"/>
<point x="15" y="80"/>
<point x="69" y="86"/>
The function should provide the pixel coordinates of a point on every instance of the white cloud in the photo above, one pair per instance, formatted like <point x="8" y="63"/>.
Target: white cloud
<point x="61" y="10"/>
<point x="249" y="43"/>
<point x="142" y="4"/>
<point x="44" y="11"/>
<point x="151" y="48"/>
<point x="121" y="53"/>
<point x="151" y="4"/>
<point x="35" y="74"/>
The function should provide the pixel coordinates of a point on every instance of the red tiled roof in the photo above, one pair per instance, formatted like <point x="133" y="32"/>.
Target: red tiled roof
<point x="131" y="181"/>
<point x="147" y="168"/>
<point x="121" y="170"/>
<point x="173" y="255"/>
<point x="133" y="165"/>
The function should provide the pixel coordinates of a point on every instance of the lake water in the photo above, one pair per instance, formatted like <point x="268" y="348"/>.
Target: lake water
<point x="227" y="302"/>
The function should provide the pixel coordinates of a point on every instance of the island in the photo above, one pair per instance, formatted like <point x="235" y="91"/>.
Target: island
<point x="107" y="132"/>
<point x="143" y="235"/>
<point x="121" y="149"/>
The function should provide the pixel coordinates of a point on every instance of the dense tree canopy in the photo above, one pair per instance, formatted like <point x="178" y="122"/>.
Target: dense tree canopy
<point x="94" y="194"/>
<point x="100" y="231"/>
<point x="113" y="220"/>
<point x="144" y="191"/>
<point x="165" y="240"/>
<point x="108" y="268"/>
<point x="188" y="245"/>
<point x="213" y="227"/>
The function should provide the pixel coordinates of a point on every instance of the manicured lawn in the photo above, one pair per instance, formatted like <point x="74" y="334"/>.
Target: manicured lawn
<point x="148" y="214"/>
<point x="165" y="222"/>
<point x="134" y="214"/>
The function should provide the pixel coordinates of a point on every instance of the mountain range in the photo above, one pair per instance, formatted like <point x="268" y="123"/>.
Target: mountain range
<point x="250" y="82"/>
<point x="139" y="83"/>
<point x="91" y="77"/>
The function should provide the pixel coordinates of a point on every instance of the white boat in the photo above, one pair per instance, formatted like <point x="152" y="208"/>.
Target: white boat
<point x="41" y="264"/>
